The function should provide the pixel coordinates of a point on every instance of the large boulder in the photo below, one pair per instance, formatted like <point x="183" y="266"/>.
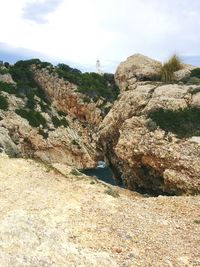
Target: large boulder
<point x="136" y="68"/>
<point x="6" y="78"/>
<point x="183" y="73"/>
<point x="143" y="155"/>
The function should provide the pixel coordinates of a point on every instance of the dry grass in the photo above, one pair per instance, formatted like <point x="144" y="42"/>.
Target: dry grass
<point x="169" y="67"/>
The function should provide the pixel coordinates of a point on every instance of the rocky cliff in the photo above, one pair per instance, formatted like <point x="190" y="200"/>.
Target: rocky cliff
<point x="66" y="98"/>
<point x="56" y="126"/>
<point x="154" y="155"/>
<point x="150" y="137"/>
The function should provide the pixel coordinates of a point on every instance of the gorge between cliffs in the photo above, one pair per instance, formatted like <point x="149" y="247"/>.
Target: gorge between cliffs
<point x="146" y="130"/>
<point x="56" y="121"/>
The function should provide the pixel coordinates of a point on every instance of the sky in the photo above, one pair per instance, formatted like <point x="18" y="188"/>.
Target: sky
<point x="78" y="32"/>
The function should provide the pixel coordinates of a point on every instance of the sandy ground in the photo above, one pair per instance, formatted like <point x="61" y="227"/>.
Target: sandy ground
<point x="52" y="220"/>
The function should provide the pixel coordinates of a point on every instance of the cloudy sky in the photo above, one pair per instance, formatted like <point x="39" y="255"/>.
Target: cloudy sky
<point x="78" y="32"/>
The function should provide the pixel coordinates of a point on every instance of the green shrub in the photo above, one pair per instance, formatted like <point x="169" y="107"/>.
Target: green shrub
<point x="169" y="67"/>
<point x="110" y="191"/>
<point x="7" y="87"/>
<point x="44" y="134"/>
<point x="61" y="113"/>
<point x="75" y="143"/>
<point x="3" y="103"/>
<point x="59" y="122"/>
<point x="31" y="102"/>
<point x="34" y="118"/>
<point x="4" y="71"/>
<point x="91" y="84"/>
<point x="56" y="122"/>
<point x="75" y="172"/>
<point x="184" y="123"/>
<point x="193" y="80"/>
<point x="7" y="65"/>
<point x="195" y="73"/>
<point x="194" y="91"/>
<point x="64" y="122"/>
<point x="44" y="107"/>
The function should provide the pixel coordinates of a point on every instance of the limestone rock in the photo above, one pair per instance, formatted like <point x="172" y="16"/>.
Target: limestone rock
<point x="64" y="97"/>
<point x="136" y="67"/>
<point x="6" y="78"/>
<point x="144" y="156"/>
<point x="7" y="145"/>
<point x="184" y="72"/>
<point x="63" y="145"/>
<point x="53" y="220"/>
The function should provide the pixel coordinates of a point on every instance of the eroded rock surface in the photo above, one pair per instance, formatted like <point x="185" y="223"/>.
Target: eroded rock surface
<point x="65" y="97"/>
<point x="136" y="68"/>
<point x="73" y="144"/>
<point x="55" y="221"/>
<point x="146" y="157"/>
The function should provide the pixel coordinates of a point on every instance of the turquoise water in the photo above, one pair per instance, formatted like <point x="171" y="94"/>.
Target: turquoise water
<point x="104" y="174"/>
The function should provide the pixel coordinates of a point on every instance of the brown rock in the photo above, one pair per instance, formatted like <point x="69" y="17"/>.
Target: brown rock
<point x="136" y="68"/>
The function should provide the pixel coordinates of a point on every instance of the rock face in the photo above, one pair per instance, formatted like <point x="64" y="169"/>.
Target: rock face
<point x="136" y="68"/>
<point x="63" y="145"/>
<point x="146" y="157"/>
<point x="64" y="97"/>
<point x="6" y="78"/>
<point x="73" y="145"/>
<point x="184" y="72"/>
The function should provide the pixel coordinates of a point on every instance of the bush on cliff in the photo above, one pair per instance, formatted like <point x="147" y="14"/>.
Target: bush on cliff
<point x="91" y="84"/>
<point x="34" y="118"/>
<point x="169" y="67"/>
<point x="195" y="73"/>
<point x="7" y="87"/>
<point x="4" y="71"/>
<point x="184" y="122"/>
<point x="23" y="76"/>
<point x="3" y="103"/>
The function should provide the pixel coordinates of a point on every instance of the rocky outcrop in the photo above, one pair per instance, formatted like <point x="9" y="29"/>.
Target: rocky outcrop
<point x="136" y="68"/>
<point x="63" y="145"/>
<point x="6" y="78"/>
<point x="66" y="98"/>
<point x="183" y="73"/>
<point x="144" y="156"/>
<point x="73" y="144"/>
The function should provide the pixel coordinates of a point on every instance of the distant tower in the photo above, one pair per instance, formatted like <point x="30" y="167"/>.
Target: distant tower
<point x="98" y="67"/>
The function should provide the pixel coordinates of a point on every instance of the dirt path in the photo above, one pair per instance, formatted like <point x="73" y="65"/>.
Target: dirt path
<point x="48" y="220"/>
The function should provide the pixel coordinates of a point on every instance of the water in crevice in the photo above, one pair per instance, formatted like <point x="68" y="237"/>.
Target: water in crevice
<point x="103" y="173"/>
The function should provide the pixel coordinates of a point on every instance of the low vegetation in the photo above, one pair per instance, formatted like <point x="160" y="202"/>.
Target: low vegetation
<point x="34" y="118"/>
<point x="3" y="103"/>
<point x="75" y="172"/>
<point x="4" y="71"/>
<point x="194" y="77"/>
<point x="91" y="84"/>
<point x="44" y="134"/>
<point x="7" y="87"/>
<point x="110" y="191"/>
<point x="59" y="122"/>
<point x="169" y="67"/>
<point x="184" y="123"/>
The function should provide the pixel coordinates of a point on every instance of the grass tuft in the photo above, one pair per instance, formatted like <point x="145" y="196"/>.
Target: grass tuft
<point x="169" y="67"/>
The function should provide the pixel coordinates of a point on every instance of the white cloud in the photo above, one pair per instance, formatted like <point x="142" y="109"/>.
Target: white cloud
<point x="111" y="30"/>
<point x="37" y="11"/>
